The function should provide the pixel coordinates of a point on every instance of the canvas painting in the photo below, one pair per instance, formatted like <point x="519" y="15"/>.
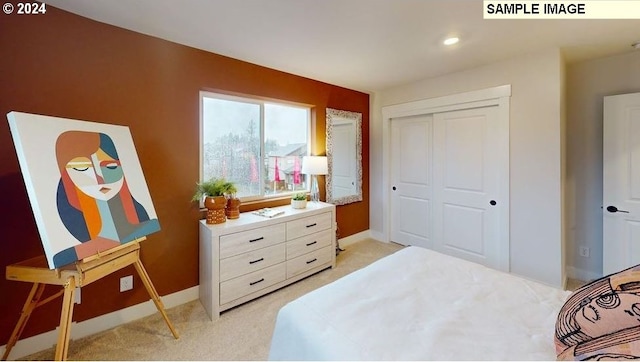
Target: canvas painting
<point x="85" y="185"/>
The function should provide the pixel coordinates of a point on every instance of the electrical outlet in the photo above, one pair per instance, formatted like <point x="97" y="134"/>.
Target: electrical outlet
<point x="584" y="251"/>
<point x="126" y="283"/>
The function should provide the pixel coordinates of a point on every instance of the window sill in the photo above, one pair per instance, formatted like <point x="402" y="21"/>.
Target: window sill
<point x="275" y="199"/>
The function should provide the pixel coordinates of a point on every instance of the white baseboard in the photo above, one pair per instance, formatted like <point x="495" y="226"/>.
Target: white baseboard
<point x="581" y="274"/>
<point x="40" y="342"/>
<point x="346" y="241"/>
<point x="377" y="235"/>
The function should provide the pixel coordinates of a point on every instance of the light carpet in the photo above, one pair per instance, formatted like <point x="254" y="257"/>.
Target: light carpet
<point x="241" y="333"/>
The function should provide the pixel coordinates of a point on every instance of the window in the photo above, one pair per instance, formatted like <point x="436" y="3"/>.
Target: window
<point x="257" y="145"/>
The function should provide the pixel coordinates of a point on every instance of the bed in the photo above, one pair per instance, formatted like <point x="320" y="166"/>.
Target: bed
<point x="417" y="304"/>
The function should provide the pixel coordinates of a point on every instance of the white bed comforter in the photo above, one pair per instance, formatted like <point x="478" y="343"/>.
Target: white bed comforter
<point x="421" y="305"/>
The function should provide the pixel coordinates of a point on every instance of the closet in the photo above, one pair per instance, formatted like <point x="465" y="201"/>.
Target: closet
<point x="448" y="175"/>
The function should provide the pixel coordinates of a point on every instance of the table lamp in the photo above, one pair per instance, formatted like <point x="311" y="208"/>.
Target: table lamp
<point x="314" y="166"/>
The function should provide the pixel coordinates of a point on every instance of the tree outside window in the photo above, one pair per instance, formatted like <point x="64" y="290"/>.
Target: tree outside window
<point x="257" y="145"/>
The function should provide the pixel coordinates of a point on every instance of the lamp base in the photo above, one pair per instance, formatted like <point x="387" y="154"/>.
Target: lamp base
<point x="315" y="191"/>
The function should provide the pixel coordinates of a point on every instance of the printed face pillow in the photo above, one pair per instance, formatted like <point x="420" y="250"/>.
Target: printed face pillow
<point x="601" y="320"/>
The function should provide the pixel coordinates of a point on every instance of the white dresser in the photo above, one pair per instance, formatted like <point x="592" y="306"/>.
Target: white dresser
<point x="245" y="258"/>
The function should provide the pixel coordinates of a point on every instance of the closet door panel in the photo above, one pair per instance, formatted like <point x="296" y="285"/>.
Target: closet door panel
<point x="466" y="180"/>
<point x="411" y="180"/>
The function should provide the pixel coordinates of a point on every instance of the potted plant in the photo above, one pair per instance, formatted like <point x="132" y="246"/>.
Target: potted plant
<point x="299" y="200"/>
<point x="213" y="192"/>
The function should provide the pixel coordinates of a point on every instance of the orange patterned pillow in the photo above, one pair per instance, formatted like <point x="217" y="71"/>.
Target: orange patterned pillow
<point x="601" y="320"/>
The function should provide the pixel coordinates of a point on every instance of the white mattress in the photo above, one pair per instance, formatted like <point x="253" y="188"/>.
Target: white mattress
<point x="417" y="304"/>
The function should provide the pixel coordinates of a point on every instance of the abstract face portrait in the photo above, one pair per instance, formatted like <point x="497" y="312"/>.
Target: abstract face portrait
<point x="608" y="313"/>
<point x="93" y="198"/>
<point x="601" y="320"/>
<point x="85" y="184"/>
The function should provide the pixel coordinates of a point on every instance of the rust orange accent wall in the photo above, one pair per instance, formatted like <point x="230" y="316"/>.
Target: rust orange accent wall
<point x="64" y="65"/>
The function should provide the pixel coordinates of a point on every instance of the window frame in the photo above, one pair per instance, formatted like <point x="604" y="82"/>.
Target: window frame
<point x="261" y="102"/>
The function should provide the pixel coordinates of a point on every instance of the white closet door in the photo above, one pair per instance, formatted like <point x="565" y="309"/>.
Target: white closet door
<point x="411" y="186"/>
<point x="467" y="179"/>
<point x="621" y="182"/>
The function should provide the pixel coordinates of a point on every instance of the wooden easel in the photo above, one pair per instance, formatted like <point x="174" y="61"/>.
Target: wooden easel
<point x="81" y="273"/>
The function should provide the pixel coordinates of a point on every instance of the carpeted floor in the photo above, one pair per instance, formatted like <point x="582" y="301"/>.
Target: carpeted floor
<point x="241" y="333"/>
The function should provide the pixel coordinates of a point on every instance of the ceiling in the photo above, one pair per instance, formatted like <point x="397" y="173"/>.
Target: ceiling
<point x="365" y="45"/>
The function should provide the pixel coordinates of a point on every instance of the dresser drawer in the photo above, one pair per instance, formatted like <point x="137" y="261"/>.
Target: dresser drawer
<point x="308" y="243"/>
<point x="308" y="261"/>
<point x="251" y="261"/>
<point x="308" y="225"/>
<point x="244" y="241"/>
<point x="233" y="289"/>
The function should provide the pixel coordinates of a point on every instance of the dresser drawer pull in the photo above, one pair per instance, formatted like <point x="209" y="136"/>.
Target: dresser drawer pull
<point x="311" y="261"/>
<point x="312" y="225"/>
<point x="315" y="242"/>
<point x="258" y="239"/>
<point x="257" y="281"/>
<point x="255" y="261"/>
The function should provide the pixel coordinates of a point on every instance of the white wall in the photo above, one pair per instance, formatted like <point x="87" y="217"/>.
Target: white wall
<point x="587" y="83"/>
<point x="535" y="152"/>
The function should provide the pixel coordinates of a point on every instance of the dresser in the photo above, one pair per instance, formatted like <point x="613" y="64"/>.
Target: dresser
<point x="248" y="257"/>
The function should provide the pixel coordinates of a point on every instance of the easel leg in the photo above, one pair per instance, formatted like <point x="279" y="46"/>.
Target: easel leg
<point x="29" y="305"/>
<point x="154" y="295"/>
<point x="65" y="320"/>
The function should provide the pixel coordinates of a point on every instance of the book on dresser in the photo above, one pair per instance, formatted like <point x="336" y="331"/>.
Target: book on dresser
<point x="269" y="212"/>
<point x="245" y="258"/>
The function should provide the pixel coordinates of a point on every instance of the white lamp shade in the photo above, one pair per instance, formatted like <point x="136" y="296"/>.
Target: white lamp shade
<point x="315" y="165"/>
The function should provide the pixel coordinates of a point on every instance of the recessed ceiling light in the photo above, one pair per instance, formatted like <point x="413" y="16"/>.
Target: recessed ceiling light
<point x="451" y="41"/>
